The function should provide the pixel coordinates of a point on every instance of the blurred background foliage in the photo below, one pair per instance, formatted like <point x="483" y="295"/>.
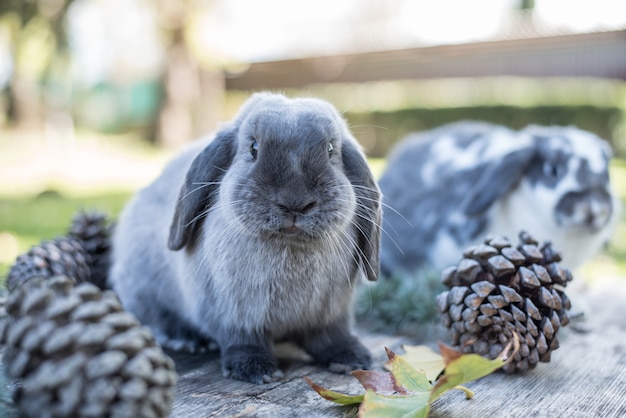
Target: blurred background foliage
<point x="95" y="95"/>
<point x="601" y="120"/>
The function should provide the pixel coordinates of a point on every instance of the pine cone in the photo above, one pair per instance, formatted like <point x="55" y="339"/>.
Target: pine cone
<point x="79" y="354"/>
<point x="62" y="256"/>
<point x="497" y="290"/>
<point x="92" y="231"/>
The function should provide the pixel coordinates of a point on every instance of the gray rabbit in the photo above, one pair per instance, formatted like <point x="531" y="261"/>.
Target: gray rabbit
<point x="257" y="235"/>
<point x="448" y="188"/>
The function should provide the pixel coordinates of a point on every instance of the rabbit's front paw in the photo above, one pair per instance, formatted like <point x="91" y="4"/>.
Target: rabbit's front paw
<point x="336" y="348"/>
<point x="250" y="363"/>
<point x="347" y="359"/>
<point x="341" y="355"/>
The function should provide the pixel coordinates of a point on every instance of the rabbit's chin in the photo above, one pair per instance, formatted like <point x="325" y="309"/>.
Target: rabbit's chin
<point x="292" y="234"/>
<point x="288" y="235"/>
<point x="290" y="230"/>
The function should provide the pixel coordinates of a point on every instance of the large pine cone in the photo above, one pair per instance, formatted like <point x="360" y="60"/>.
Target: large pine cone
<point x="82" y="255"/>
<point x="92" y="230"/>
<point x="498" y="290"/>
<point x="78" y="353"/>
<point x="62" y="256"/>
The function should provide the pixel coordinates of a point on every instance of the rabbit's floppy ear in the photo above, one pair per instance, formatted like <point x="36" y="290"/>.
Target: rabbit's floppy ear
<point x="496" y="179"/>
<point x="368" y="215"/>
<point x="201" y="183"/>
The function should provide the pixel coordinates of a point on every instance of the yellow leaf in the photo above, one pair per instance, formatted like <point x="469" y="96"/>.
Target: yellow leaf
<point x="423" y="357"/>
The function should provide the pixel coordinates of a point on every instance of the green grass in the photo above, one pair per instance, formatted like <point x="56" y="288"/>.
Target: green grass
<point x="26" y="221"/>
<point x="43" y="184"/>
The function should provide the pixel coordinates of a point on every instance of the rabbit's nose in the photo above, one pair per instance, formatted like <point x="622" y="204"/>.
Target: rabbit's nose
<point x="298" y="208"/>
<point x="307" y="208"/>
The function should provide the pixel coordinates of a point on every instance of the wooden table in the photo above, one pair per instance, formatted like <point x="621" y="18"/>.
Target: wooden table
<point x="586" y="377"/>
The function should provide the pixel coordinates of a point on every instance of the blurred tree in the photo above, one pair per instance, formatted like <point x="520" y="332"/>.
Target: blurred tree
<point x="38" y="45"/>
<point x="192" y="93"/>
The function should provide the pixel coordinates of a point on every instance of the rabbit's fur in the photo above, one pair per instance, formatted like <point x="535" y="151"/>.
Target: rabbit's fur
<point x="258" y="234"/>
<point x="449" y="188"/>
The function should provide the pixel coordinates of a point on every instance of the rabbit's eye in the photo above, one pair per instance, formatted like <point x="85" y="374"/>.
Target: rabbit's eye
<point x="552" y="170"/>
<point x="330" y="149"/>
<point x="254" y="149"/>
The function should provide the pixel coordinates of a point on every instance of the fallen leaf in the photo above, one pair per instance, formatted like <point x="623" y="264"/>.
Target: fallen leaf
<point x="380" y="382"/>
<point x="423" y="357"/>
<point x="336" y="397"/>
<point x="464" y="368"/>
<point x="449" y="354"/>
<point x="406" y="375"/>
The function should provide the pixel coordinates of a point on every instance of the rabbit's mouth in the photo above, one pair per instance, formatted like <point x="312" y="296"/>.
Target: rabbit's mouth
<point x="290" y="230"/>
<point x="286" y="226"/>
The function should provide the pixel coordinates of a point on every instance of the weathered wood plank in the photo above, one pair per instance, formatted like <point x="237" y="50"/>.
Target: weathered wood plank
<point x="203" y="392"/>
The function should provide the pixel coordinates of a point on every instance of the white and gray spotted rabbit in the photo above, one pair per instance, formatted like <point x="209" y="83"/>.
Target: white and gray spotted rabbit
<point x="448" y="188"/>
<point x="257" y="235"/>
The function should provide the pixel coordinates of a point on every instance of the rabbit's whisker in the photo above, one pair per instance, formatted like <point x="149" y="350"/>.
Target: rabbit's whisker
<point x="355" y="244"/>
<point x="333" y="242"/>
<point x="376" y="200"/>
<point x="380" y="226"/>
<point x="201" y="186"/>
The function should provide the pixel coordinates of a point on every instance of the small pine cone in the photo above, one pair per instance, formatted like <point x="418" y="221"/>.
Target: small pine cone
<point x="498" y="290"/>
<point x="62" y="256"/>
<point x="78" y="353"/>
<point x="92" y="230"/>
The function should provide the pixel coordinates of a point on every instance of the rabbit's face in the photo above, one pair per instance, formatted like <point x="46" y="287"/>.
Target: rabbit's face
<point x="287" y="178"/>
<point x="571" y="172"/>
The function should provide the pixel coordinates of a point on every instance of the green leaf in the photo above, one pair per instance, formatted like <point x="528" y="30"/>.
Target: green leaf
<point x="425" y="358"/>
<point x="410" y="394"/>
<point x="336" y="397"/>
<point x="381" y="406"/>
<point x="465" y="368"/>
<point x="406" y="375"/>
